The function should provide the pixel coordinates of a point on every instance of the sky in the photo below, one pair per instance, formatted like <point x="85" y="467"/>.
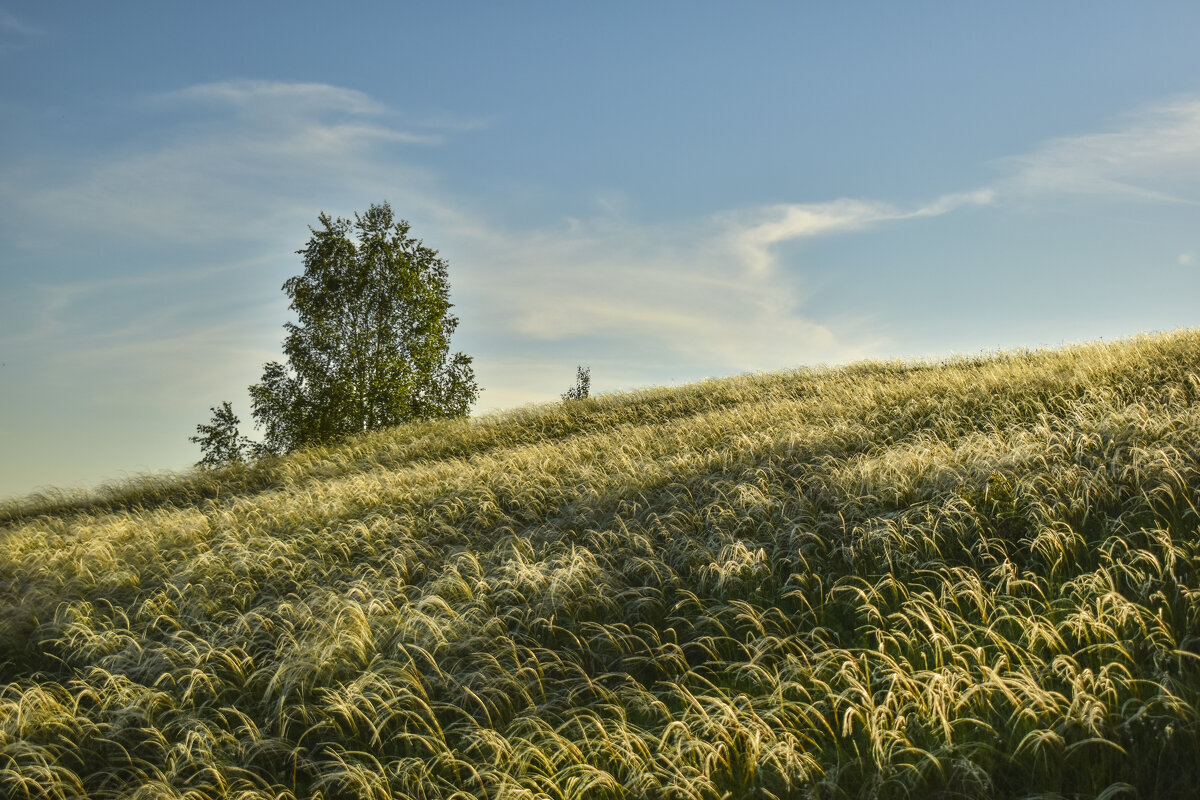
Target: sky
<point x="663" y="192"/>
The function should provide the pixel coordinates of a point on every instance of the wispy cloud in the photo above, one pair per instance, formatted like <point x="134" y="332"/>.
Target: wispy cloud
<point x="276" y="95"/>
<point x="706" y="292"/>
<point x="232" y="161"/>
<point x="52" y="310"/>
<point x="754" y="234"/>
<point x="282" y="101"/>
<point x="330" y="115"/>
<point x="16" y="32"/>
<point x="1154" y="155"/>
<point x="141" y="341"/>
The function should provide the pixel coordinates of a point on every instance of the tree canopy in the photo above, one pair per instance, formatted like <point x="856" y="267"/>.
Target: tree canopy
<point x="371" y="344"/>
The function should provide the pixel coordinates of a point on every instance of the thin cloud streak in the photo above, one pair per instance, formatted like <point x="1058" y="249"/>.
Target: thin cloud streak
<point x="15" y="32"/>
<point x="281" y="104"/>
<point x="58" y="309"/>
<point x="752" y="241"/>
<point x="273" y="97"/>
<point x="243" y="173"/>
<point x="1154" y="156"/>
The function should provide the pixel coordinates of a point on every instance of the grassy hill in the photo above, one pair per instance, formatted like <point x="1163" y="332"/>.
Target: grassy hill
<point x="979" y="578"/>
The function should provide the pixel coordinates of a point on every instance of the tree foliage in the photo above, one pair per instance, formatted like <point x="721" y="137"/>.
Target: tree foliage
<point x="220" y="442"/>
<point x="583" y="381"/>
<point x="371" y="344"/>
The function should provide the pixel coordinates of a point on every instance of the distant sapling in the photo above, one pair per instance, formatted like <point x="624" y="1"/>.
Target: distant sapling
<point x="583" y="381"/>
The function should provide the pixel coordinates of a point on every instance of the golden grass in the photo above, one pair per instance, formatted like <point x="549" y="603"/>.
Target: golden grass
<point x="977" y="578"/>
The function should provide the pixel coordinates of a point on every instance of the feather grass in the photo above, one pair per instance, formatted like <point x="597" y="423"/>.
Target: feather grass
<point x="973" y="578"/>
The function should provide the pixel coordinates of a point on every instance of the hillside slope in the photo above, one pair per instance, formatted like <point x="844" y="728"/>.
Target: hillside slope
<point x="979" y="578"/>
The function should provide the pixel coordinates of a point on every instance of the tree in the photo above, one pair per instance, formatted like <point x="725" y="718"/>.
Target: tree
<point x="220" y="441"/>
<point x="371" y="344"/>
<point x="583" y="380"/>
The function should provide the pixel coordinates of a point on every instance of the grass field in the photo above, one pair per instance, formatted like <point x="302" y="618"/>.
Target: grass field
<point x="977" y="579"/>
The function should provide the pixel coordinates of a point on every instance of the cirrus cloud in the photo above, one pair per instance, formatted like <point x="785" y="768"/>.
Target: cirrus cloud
<point x="1154" y="155"/>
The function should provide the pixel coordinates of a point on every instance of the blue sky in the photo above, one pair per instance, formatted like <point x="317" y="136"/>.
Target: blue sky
<point x="662" y="191"/>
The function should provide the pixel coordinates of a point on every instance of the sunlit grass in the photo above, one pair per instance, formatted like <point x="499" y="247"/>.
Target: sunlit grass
<point x="978" y="578"/>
